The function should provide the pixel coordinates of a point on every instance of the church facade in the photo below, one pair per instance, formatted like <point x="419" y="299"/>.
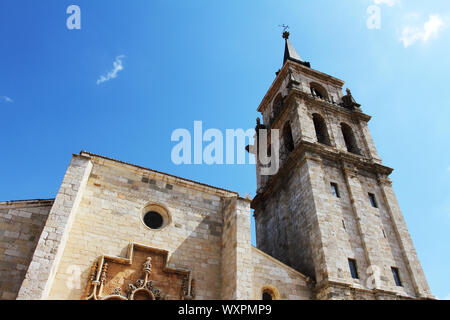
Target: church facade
<point x="328" y="225"/>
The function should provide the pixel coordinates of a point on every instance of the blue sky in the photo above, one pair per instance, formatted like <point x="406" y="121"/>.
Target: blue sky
<point x="177" y="62"/>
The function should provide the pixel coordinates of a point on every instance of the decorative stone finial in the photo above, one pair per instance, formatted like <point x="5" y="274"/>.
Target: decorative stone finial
<point x="286" y="35"/>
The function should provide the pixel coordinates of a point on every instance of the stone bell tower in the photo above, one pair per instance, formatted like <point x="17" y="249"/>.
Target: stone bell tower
<point x="330" y="211"/>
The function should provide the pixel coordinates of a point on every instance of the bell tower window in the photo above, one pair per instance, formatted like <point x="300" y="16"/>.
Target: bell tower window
<point x="349" y="138"/>
<point x="319" y="92"/>
<point x="287" y="137"/>
<point x="277" y="105"/>
<point x="321" y="129"/>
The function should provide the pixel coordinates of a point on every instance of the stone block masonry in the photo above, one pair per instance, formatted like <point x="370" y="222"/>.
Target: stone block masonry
<point x="98" y="211"/>
<point x="21" y="224"/>
<point x="52" y="241"/>
<point x="296" y="208"/>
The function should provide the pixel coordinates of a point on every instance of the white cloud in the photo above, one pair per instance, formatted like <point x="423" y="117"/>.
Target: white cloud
<point x="117" y="66"/>
<point x="6" y="99"/>
<point x="431" y="28"/>
<point x="390" y="3"/>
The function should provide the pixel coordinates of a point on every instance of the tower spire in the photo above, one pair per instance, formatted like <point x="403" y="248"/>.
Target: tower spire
<point x="289" y="51"/>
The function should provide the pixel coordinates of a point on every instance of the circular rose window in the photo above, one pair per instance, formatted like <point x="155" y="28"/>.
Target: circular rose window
<point x="153" y="220"/>
<point x="155" y="217"/>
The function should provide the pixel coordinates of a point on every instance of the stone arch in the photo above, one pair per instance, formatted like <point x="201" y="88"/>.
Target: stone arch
<point x="321" y="129"/>
<point x="277" y="104"/>
<point x="269" y="292"/>
<point x="318" y="91"/>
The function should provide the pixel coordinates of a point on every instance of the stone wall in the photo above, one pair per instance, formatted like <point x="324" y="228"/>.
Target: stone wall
<point x="21" y="224"/>
<point x="99" y="210"/>
<point x="52" y="241"/>
<point x="236" y="263"/>
<point x="109" y="217"/>
<point x="283" y="222"/>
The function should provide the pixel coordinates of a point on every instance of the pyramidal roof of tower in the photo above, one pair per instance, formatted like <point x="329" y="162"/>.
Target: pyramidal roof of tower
<point x="291" y="55"/>
<point x="289" y="51"/>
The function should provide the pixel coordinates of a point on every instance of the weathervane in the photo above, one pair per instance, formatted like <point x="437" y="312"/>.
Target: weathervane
<point x="285" y="27"/>
<point x="285" y="32"/>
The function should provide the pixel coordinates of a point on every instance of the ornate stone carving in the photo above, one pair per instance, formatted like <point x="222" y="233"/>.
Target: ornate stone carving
<point x="131" y="288"/>
<point x="117" y="278"/>
<point x="148" y="265"/>
<point x="384" y="181"/>
<point x="117" y="292"/>
<point x="139" y="283"/>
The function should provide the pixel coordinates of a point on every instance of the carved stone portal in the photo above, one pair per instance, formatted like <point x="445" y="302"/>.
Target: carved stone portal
<point x="144" y="275"/>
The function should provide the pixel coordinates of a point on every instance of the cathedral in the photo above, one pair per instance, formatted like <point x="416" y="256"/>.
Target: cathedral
<point x="328" y="225"/>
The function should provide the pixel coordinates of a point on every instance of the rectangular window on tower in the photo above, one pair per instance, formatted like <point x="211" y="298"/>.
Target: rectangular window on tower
<point x="335" y="190"/>
<point x="373" y="200"/>
<point x="396" y="275"/>
<point x="353" y="269"/>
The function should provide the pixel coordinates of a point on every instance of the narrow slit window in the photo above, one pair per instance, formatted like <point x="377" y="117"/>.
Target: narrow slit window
<point x="373" y="200"/>
<point x="396" y="275"/>
<point x="353" y="269"/>
<point x="335" y="190"/>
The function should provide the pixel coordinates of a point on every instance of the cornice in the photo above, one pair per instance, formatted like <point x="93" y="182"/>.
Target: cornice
<point x="26" y="203"/>
<point x="350" y="286"/>
<point x="358" y="115"/>
<point x="301" y="69"/>
<point x="305" y="150"/>
<point x="273" y="88"/>
<point x="317" y="74"/>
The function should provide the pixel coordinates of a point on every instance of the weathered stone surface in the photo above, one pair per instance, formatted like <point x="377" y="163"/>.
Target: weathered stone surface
<point x="298" y="219"/>
<point x="45" y="262"/>
<point x="21" y="223"/>
<point x="208" y="233"/>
